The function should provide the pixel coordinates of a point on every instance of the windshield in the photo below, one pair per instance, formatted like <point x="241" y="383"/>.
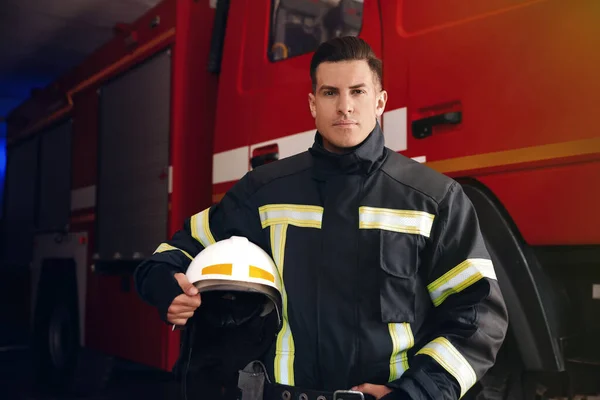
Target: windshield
<point x="299" y="26"/>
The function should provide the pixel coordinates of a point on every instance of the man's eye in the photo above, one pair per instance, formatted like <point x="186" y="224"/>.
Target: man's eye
<point x="328" y="93"/>
<point x="358" y="91"/>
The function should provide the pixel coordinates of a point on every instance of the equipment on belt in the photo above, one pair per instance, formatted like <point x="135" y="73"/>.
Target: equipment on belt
<point x="255" y="384"/>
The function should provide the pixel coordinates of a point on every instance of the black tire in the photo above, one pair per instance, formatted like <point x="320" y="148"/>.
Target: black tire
<point x="55" y="340"/>
<point x="507" y="379"/>
<point x="504" y="381"/>
<point x="60" y="365"/>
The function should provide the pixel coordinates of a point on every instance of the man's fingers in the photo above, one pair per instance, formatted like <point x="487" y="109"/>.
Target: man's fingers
<point x="183" y="306"/>
<point x="176" y="309"/>
<point x="185" y="284"/>
<point x="179" y="318"/>
<point x="186" y="314"/>
<point x="180" y="310"/>
<point x="377" y="391"/>
<point x="362" y="388"/>
<point x="186" y="300"/>
<point x="180" y="315"/>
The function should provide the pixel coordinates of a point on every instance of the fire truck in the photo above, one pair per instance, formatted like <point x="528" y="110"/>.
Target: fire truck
<point x="106" y="162"/>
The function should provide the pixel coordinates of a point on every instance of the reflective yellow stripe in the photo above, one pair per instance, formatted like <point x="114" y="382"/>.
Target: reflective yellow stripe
<point x="201" y="228"/>
<point x="291" y="214"/>
<point x="285" y="349"/>
<point x="403" y="221"/>
<point x="402" y="340"/>
<point x="167" y="247"/>
<point x="218" y="269"/>
<point x="459" y="278"/>
<point x="442" y="351"/>
<point x="279" y="217"/>
<point x="260" y="273"/>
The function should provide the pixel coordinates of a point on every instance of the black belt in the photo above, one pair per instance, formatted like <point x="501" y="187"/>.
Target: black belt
<point x="275" y="391"/>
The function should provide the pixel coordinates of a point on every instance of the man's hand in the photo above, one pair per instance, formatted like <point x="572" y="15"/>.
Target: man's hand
<point x="377" y="391"/>
<point x="184" y="305"/>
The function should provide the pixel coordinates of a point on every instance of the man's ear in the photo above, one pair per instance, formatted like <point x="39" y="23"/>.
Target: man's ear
<point x="312" y="105"/>
<point x="381" y="101"/>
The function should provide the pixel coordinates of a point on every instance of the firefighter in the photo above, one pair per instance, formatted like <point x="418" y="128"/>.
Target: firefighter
<point x="388" y="288"/>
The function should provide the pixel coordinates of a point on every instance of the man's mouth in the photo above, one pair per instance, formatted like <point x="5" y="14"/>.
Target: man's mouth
<point x="344" y="123"/>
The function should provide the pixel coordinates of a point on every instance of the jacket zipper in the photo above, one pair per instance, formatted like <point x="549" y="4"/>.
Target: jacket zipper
<point x="358" y="369"/>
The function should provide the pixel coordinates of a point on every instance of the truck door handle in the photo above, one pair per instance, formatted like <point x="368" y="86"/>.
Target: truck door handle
<point x="264" y="155"/>
<point x="422" y="128"/>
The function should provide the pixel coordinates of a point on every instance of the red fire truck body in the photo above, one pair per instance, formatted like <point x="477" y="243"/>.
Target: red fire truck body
<point x="157" y="124"/>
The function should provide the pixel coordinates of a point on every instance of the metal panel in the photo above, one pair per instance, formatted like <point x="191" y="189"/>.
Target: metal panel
<point x="19" y="217"/>
<point x="133" y="161"/>
<point x="55" y="178"/>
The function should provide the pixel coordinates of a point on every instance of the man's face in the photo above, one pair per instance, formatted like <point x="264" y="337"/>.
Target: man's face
<point x="346" y="103"/>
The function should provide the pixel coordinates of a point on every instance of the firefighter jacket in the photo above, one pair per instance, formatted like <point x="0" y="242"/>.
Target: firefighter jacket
<point x="387" y="279"/>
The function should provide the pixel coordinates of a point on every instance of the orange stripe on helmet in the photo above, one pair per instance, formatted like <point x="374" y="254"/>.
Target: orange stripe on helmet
<point x="218" y="269"/>
<point x="256" y="272"/>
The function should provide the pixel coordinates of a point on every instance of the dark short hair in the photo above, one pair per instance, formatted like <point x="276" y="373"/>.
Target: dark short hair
<point x="345" y="48"/>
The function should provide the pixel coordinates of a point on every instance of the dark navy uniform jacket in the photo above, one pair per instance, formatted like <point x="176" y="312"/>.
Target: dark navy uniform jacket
<point x="386" y="275"/>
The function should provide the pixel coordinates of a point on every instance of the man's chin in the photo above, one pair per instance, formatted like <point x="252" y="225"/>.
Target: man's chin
<point x="343" y="146"/>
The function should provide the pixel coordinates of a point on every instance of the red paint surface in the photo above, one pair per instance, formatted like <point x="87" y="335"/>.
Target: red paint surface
<point x="522" y="73"/>
<point x="553" y="205"/>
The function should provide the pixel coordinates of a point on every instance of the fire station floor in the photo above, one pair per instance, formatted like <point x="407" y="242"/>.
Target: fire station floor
<point x="16" y="381"/>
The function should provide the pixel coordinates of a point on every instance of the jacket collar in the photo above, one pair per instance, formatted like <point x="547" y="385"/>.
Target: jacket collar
<point x="365" y="158"/>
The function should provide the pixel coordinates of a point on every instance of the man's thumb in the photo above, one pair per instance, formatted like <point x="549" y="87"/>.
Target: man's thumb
<point x="185" y="285"/>
<point x="191" y="290"/>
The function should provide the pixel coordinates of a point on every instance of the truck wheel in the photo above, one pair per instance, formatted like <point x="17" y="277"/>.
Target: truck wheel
<point x="60" y="364"/>
<point x="508" y="381"/>
<point x="56" y="340"/>
<point x="504" y="380"/>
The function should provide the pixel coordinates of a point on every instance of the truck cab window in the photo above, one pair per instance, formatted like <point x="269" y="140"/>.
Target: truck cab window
<point x="299" y="26"/>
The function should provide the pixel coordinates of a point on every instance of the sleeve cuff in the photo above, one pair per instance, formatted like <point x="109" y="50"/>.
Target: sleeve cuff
<point x="415" y="386"/>
<point x="407" y="390"/>
<point x="161" y="288"/>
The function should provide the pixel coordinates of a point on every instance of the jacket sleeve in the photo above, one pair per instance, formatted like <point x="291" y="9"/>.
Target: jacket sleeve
<point x="469" y="320"/>
<point x="154" y="277"/>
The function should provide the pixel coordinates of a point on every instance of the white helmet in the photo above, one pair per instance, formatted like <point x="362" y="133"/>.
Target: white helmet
<point x="237" y="265"/>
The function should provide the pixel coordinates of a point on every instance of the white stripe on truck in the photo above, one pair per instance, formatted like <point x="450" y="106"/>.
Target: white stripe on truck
<point x="231" y="165"/>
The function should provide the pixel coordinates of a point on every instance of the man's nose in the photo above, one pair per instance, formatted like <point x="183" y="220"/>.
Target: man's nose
<point x="345" y="105"/>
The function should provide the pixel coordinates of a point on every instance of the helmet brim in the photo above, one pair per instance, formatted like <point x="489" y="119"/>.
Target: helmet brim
<point x="229" y="285"/>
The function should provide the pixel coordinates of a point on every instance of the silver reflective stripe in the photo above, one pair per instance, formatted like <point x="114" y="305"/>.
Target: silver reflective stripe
<point x="291" y="214"/>
<point x="459" y="278"/>
<point x="201" y="228"/>
<point x="404" y="221"/>
<point x="442" y="351"/>
<point x="167" y="247"/>
<point x="402" y="340"/>
<point x="285" y="350"/>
